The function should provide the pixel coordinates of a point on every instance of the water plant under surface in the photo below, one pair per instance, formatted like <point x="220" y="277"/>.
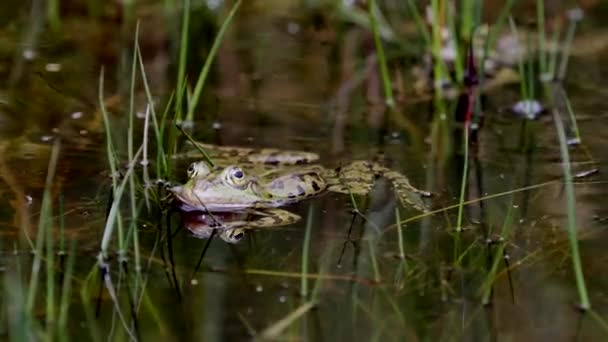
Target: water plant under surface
<point x="494" y="109"/>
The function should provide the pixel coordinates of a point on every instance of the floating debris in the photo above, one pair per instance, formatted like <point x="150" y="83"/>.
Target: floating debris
<point x="573" y="141"/>
<point x="528" y="109"/>
<point x="29" y="54"/>
<point x="586" y="173"/>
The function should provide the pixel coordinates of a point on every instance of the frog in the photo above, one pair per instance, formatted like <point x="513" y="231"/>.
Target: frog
<point x="247" y="178"/>
<point x="232" y="227"/>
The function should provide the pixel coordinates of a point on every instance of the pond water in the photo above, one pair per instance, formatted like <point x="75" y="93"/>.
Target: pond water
<point x="294" y="76"/>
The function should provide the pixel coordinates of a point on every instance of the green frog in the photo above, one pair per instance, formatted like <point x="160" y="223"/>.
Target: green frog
<point x="246" y="178"/>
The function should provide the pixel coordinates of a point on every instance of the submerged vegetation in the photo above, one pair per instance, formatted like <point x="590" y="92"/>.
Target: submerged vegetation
<point x="470" y="98"/>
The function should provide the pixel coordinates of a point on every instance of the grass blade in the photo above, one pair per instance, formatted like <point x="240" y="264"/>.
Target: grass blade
<point x="386" y="81"/>
<point x="585" y="304"/>
<point x="202" y="77"/>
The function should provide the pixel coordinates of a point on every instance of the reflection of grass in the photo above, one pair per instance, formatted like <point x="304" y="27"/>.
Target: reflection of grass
<point x="25" y="306"/>
<point x="386" y="81"/>
<point x="571" y="213"/>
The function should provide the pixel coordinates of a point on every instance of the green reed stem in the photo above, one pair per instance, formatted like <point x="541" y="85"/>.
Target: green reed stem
<point x="132" y="95"/>
<point x="540" y="20"/>
<point x="372" y="257"/>
<point x="115" y="211"/>
<point x="419" y="22"/>
<point x="520" y="62"/>
<point x="61" y="223"/>
<point x="572" y="119"/>
<point x="162" y="168"/>
<point x="183" y="55"/>
<point x="554" y="53"/>
<point x="486" y="288"/>
<point x="563" y="68"/>
<point x="400" y="233"/>
<point x="50" y="272"/>
<point x="439" y="69"/>
<point x="202" y="77"/>
<point x="601" y="321"/>
<point x="159" y="138"/>
<point x="132" y="189"/>
<point x="52" y="13"/>
<point x="197" y="146"/>
<point x="87" y="294"/>
<point x="274" y="331"/>
<point x="305" y="253"/>
<point x="66" y="291"/>
<point x="112" y="158"/>
<point x="458" y="63"/>
<point x="502" y="18"/>
<point x="386" y="81"/>
<point x="45" y="223"/>
<point x="530" y="68"/>
<point x="467" y="8"/>
<point x="463" y="180"/>
<point x="585" y="304"/>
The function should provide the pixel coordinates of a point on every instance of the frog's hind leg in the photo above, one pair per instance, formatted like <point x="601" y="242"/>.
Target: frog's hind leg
<point x="363" y="174"/>
<point x="356" y="178"/>
<point x="359" y="177"/>
<point x="407" y="193"/>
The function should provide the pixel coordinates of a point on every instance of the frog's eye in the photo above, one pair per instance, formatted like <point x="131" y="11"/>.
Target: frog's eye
<point x="238" y="174"/>
<point x="198" y="169"/>
<point x="235" y="176"/>
<point x="191" y="171"/>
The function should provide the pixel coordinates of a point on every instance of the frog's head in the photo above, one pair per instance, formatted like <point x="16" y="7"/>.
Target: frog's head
<point x="219" y="190"/>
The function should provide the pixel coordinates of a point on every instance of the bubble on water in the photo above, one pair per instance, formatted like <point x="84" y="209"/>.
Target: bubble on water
<point x="76" y="115"/>
<point x="282" y="299"/>
<point x="575" y="14"/>
<point x="528" y="109"/>
<point x="293" y="28"/>
<point x="213" y="4"/>
<point x="193" y="282"/>
<point x="186" y="124"/>
<point x="216" y="125"/>
<point x="29" y="199"/>
<point x="29" y="54"/>
<point x="46" y="138"/>
<point x="259" y="288"/>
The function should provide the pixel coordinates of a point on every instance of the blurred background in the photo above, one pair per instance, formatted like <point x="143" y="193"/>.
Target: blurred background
<point x="442" y="91"/>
